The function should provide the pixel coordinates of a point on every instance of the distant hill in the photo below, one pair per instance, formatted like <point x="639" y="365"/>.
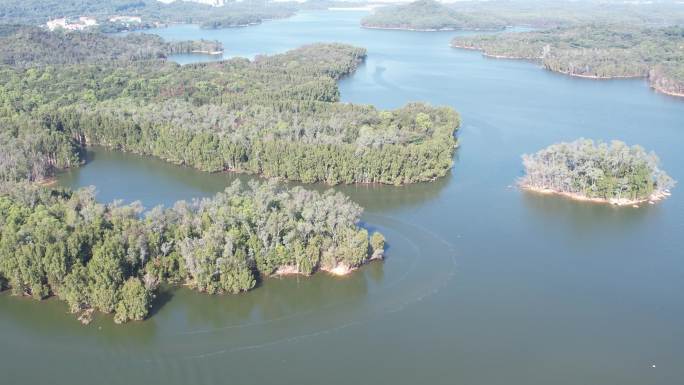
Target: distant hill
<point x="425" y="15"/>
<point x="209" y="13"/>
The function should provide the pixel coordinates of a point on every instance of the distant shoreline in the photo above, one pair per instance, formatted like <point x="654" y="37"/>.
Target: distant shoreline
<point x="448" y="29"/>
<point x="666" y="92"/>
<point x="205" y="52"/>
<point x="485" y="54"/>
<point x="410" y="29"/>
<point x="567" y="73"/>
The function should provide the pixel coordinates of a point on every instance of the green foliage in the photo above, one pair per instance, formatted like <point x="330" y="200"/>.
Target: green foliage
<point x="277" y="116"/>
<point x="377" y="242"/>
<point x="74" y="289"/>
<point x="582" y="167"/>
<point x="499" y="14"/>
<point x="32" y="46"/>
<point x="424" y="15"/>
<point x="596" y="51"/>
<point x="152" y="12"/>
<point x="134" y="303"/>
<point x="28" y="152"/>
<point x="112" y="258"/>
<point x="242" y="17"/>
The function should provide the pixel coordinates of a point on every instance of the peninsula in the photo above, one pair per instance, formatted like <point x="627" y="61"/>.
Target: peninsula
<point x="112" y="258"/>
<point x="595" y="51"/>
<point x="275" y="116"/>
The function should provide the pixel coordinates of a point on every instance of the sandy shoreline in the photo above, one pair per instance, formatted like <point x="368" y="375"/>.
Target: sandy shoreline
<point x="51" y="181"/>
<point x="339" y="270"/>
<point x="595" y="76"/>
<point x="202" y="52"/>
<point x="666" y="92"/>
<point x="655" y="197"/>
<point x="411" y="29"/>
<point x="489" y="55"/>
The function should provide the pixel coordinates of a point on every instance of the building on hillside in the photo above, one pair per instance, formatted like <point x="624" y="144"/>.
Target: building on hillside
<point x="82" y="23"/>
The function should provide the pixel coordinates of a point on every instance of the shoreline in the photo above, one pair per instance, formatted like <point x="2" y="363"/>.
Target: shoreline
<point x="340" y="270"/>
<point x="411" y="29"/>
<point x="47" y="182"/>
<point x="489" y="55"/>
<point x="651" y="199"/>
<point x="448" y="29"/>
<point x="596" y="77"/>
<point x="666" y="92"/>
<point x="567" y="73"/>
<point x="204" y="52"/>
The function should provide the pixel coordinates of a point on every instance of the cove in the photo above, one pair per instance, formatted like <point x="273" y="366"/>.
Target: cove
<point x="484" y="284"/>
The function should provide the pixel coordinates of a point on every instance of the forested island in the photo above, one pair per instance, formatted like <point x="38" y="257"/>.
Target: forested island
<point x="614" y="173"/>
<point x="112" y="258"/>
<point x="424" y="15"/>
<point x="595" y="51"/>
<point x="275" y="116"/>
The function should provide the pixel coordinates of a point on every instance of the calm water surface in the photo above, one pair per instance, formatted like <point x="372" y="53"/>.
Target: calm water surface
<point x="484" y="284"/>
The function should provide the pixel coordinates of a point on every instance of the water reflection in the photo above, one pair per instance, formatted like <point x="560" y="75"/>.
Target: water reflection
<point x="586" y="217"/>
<point x="132" y="177"/>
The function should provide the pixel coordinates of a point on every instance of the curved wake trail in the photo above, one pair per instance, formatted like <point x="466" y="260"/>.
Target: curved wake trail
<point x="429" y="264"/>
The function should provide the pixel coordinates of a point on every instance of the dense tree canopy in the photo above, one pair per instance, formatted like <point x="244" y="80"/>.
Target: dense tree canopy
<point x="31" y="46"/>
<point x="499" y="14"/>
<point x="596" y="51"/>
<point x="612" y="171"/>
<point x="112" y="257"/>
<point x="276" y="116"/>
<point x="424" y="15"/>
<point x="31" y="153"/>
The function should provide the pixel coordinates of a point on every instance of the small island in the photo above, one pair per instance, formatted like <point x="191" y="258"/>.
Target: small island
<point x="612" y="173"/>
<point x="595" y="51"/>
<point x="246" y="18"/>
<point x="425" y="15"/>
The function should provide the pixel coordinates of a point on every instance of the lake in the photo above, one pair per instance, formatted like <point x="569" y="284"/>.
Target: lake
<point x="483" y="284"/>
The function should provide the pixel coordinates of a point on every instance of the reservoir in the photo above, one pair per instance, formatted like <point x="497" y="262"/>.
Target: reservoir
<point x="483" y="283"/>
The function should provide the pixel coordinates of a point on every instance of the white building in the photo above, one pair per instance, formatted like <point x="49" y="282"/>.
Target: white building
<point x="63" y="23"/>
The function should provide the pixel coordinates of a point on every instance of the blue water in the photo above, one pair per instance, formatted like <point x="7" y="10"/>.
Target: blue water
<point x="484" y="284"/>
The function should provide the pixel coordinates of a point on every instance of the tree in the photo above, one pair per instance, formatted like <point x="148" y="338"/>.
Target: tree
<point x="596" y="170"/>
<point x="377" y="242"/>
<point x="134" y="303"/>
